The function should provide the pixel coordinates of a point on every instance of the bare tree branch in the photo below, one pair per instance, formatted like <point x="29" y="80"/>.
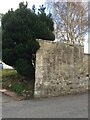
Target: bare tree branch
<point x="71" y="19"/>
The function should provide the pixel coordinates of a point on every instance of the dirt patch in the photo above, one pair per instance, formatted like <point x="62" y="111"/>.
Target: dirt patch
<point x="12" y="94"/>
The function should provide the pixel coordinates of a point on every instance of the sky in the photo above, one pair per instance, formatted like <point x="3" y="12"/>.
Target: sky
<point x="87" y="44"/>
<point x="6" y="5"/>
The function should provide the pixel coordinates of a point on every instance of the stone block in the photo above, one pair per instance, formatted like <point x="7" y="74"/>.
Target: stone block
<point x="60" y="69"/>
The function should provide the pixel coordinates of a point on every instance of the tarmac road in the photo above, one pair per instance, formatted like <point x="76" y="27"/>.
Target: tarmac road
<point x="71" y="106"/>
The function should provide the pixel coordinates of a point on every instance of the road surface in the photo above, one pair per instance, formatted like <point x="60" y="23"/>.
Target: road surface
<point x="71" y="106"/>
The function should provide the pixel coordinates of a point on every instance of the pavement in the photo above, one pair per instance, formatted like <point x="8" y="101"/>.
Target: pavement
<point x="71" y="106"/>
<point x="11" y="95"/>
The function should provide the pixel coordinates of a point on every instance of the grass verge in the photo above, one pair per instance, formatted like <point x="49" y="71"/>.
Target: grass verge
<point x="11" y="80"/>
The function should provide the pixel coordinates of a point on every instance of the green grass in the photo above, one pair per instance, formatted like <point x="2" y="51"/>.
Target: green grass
<point x="8" y="72"/>
<point x="13" y="81"/>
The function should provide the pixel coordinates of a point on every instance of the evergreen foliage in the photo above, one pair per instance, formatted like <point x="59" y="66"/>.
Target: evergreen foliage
<point x="20" y="29"/>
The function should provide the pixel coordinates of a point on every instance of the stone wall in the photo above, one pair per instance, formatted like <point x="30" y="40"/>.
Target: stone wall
<point x="60" y="69"/>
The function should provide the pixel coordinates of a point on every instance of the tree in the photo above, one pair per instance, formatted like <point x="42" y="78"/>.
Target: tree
<point x="20" y="29"/>
<point x="0" y="37"/>
<point x="0" y="43"/>
<point x="70" y="20"/>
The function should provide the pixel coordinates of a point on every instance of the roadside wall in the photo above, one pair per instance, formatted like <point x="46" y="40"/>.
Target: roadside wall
<point x="60" y="69"/>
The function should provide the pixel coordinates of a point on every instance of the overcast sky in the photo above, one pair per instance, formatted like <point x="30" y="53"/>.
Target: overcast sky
<point x="5" y="5"/>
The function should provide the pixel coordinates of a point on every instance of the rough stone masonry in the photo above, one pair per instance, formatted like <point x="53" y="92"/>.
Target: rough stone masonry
<point x="60" y="69"/>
